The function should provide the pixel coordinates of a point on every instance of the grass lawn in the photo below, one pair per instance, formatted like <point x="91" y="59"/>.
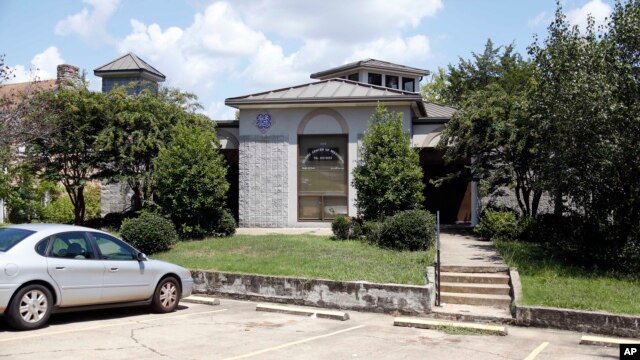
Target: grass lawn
<point x="307" y="256"/>
<point x="548" y="282"/>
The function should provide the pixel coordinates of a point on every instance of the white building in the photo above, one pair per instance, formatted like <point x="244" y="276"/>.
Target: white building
<point x="293" y="150"/>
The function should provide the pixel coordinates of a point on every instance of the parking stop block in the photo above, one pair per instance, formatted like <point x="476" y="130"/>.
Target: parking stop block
<point x="320" y="313"/>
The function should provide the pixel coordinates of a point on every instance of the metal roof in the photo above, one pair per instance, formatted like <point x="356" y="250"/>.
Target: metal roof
<point x="127" y="63"/>
<point x="371" y="63"/>
<point x="439" y="111"/>
<point x="330" y="90"/>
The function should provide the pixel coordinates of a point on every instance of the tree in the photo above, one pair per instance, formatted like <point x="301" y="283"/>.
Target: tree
<point x="190" y="176"/>
<point x="493" y="126"/>
<point x="140" y="127"/>
<point x="388" y="178"/>
<point x="571" y="105"/>
<point x="69" y="156"/>
<point x="435" y="91"/>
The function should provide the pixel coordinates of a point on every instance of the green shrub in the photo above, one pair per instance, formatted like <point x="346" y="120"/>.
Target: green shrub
<point x="149" y="233"/>
<point x="226" y="224"/>
<point x="407" y="230"/>
<point x="60" y="209"/>
<point x="498" y="225"/>
<point x="388" y="177"/>
<point x="372" y="231"/>
<point x="341" y="227"/>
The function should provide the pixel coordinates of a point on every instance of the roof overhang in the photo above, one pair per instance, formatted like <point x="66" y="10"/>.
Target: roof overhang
<point x="121" y="73"/>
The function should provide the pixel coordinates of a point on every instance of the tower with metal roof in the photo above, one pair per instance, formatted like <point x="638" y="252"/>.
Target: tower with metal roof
<point x="129" y="71"/>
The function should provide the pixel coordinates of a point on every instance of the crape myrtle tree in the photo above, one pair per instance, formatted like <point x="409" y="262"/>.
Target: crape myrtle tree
<point x="190" y="178"/>
<point x="69" y="155"/>
<point x="388" y="177"/>
<point x="133" y="137"/>
<point x="492" y="126"/>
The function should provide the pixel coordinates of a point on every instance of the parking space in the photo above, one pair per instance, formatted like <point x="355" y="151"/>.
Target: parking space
<point x="234" y="330"/>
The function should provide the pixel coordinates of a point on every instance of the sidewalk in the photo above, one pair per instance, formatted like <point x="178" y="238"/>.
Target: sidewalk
<point x="464" y="249"/>
<point x="285" y="231"/>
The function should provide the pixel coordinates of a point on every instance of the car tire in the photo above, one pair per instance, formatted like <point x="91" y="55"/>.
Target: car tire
<point x="167" y="295"/>
<point x="30" y="308"/>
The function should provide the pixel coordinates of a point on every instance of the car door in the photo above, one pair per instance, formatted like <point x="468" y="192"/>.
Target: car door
<point x="73" y="265"/>
<point x="125" y="278"/>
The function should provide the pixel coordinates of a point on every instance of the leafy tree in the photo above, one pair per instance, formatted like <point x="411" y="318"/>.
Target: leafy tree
<point x="69" y="155"/>
<point x="59" y="209"/>
<point x="572" y="105"/>
<point x="190" y="178"/>
<point x="140" y="127"/>
<point x="435" y="91"/>
<point x="388" y="178"/>
<point x="493" y="126"/>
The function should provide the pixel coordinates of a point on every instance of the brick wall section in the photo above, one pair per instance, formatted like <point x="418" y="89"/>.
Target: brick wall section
<point x="352" y="295"/>
<point x="263" y="181"/>
<point x="114" y="198"/>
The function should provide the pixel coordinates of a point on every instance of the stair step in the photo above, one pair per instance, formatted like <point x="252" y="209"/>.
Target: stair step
<point x="475" y="299"/>
<point x="503" y="269"/>
<point x="475" y="288"/>
<point x="477" y="278"/>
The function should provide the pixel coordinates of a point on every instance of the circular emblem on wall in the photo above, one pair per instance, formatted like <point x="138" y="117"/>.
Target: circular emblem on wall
<point x="263" y="122"/>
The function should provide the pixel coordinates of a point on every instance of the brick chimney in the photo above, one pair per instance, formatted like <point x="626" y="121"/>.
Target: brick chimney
<point x="68" y="75"/>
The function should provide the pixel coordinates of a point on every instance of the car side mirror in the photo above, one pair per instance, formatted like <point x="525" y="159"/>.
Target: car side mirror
<point x="141" y="256"/>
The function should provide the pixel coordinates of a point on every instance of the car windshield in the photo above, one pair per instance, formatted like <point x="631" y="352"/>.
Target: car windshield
<point x="11" y="236"/>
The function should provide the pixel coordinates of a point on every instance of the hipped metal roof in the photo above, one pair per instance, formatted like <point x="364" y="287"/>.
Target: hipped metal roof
<point x="372" y="64"/>
<point x="129" y="63"/>
<point x="326" y="91"/>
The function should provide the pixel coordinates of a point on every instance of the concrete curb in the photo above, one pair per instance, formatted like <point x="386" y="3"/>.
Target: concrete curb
<point x="516" y="289"/>
<point x="204" y="300"/>
<point x="324" y="314"/>
<point x="435" y="324"/>
<point x="579" y="320"/>
<point x="352" y="295"/>
<point x="603" y="341"/>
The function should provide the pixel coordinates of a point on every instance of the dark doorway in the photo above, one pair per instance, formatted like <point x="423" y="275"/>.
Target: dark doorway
<point x="453" y="197"/>
<point x="233" y="177"/>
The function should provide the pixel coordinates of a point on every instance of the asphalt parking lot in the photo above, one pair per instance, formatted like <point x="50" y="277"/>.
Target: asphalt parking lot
<point x="234" y="330"/>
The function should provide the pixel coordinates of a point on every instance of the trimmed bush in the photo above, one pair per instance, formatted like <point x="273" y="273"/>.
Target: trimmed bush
<point x="226" y="224"/>
<point x="149" y="233"/>
<point x="406" y="230"/>
<point x="498" y="225"/>
<point x="341" y="227"/>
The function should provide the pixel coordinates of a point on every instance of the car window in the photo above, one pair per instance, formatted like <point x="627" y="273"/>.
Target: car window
<point x="71" y="245"/>
<point x="41" y="247"/>
<point x="10" y="236"/>
<point x="112" y="248"/>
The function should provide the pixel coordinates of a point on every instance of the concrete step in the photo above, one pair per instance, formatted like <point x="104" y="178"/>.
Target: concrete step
<point x="476" y="278"/>
<point x="475" y="288"/>
<point x="504" y="269"/>
<point x="472" y="313"/>
<point x="475" y="299"/>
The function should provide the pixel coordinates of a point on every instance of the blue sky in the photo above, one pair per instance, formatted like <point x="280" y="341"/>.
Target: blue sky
<point x="219" y="49"/>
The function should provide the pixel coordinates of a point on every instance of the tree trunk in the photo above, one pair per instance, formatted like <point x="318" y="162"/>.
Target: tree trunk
<point x="79" y="207"/>
<point x="558" y="207"/>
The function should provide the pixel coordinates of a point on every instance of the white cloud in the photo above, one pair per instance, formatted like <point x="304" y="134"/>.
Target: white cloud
<point x="217" y="110"/>
<point x="337" y="20"/>
<point x="239" y="44"/>
<point x="400" y="50"/>
<point x="193" y="58"/>
<point x="596" y="8"/>
<point x="44" y="67"/>
<point x="542" y="18"/>
<point x="89" y="24"/>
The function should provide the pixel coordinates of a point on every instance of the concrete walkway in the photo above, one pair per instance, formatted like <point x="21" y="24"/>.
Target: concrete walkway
<point x="324" y="231"/>
<point x="458" y="248"/>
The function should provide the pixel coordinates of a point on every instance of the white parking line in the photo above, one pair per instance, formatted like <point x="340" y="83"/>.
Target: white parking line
<point x="106" y="326"/>
<point x="537" y="351"/>
<point x="293" y="343"/>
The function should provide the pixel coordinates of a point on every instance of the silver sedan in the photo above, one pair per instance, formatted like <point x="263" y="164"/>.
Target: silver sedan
<point x="48" y="268"/>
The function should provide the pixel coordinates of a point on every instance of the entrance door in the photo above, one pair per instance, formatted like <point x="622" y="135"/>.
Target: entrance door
<point x="322" y="177"/>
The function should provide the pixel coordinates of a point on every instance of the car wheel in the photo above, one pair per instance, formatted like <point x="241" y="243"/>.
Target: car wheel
<point x="166" y="296"/>
<point x="30" y="308"/>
